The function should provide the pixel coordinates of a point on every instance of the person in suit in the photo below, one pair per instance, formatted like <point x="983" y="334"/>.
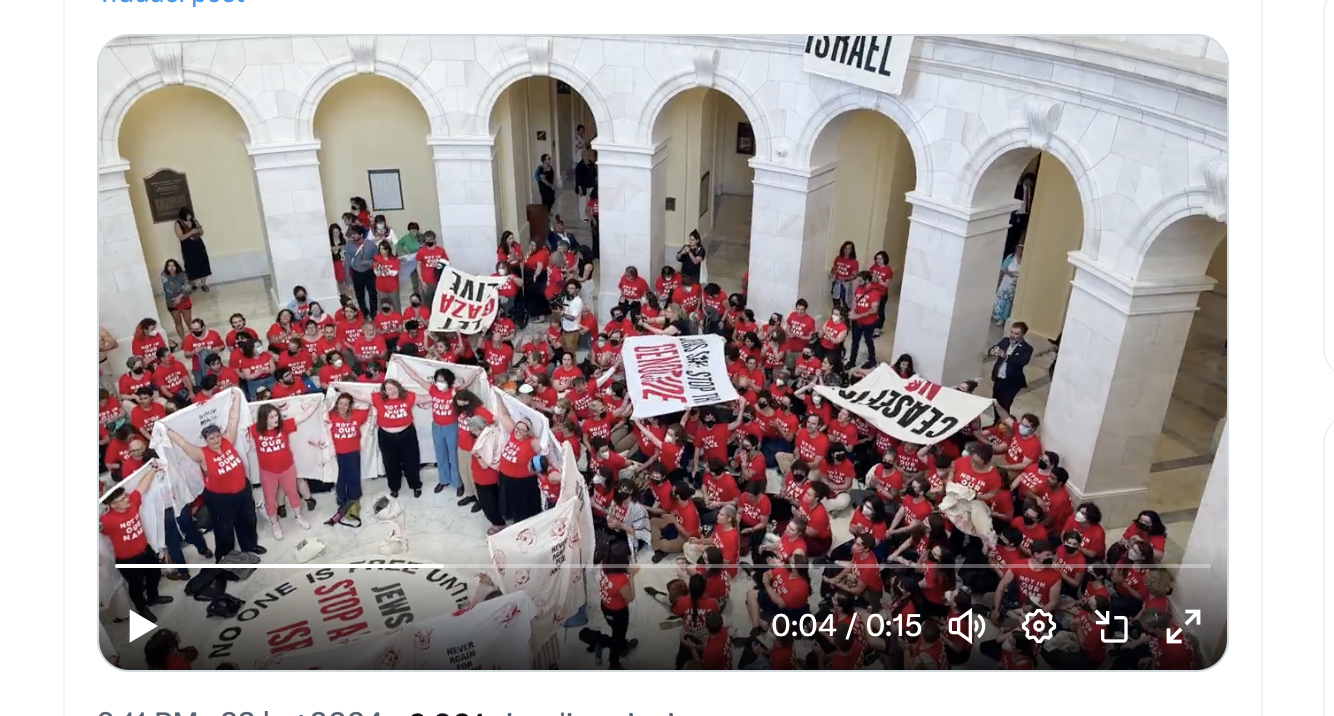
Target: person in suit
<point x="1012" y="353"/>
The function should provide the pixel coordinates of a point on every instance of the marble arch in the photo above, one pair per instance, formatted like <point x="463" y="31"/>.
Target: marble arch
<point x="728" y="85"/>
<point x="819" y="146"/>
<point x="323" y="82"/>
<point x="555" y="69"/>
<point x="113" y="114"/>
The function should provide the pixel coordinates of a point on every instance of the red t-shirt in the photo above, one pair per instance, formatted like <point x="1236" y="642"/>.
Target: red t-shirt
<point x="272" y="449"/>
<point x="839" y="476"/>
<point x="687" y="517"/>
<point x="693" y="615"/>
<point x="719" y="488"/>
<point x="1023" y="447"/>
<point x="498" y="358"/>
<point x="1090" y="636"/>
<point x="125" y="529"/>
<point x="832" y="334"/>
<point x="170" y="376"/>
<point x="1031" y="533"/>
<point x="878" y="530"/>
<point x="1158" y="542"/>
<point x="146" y="347"/>
<point x="393" y="414"/>
<point x="845" y="433"/>
<point x="610" y="585"/>
<point x="868" y="571"/>
<point x="442" y="406"/>
<point x="224" y="473"/>
<point x="389" y="325"/>
<point x="386" y="273"/>
<point x="144" y="420"/>
<point x="756" y="513"/>
<point x="430" y="259"/>
<point x="812" y="449"/>
<point x="817" y="521"/>
<point x="282" y="390"/>
<point x="1035" y="583"/>
<point x="369" y="349"/>
<point x="845" y="268"/>
<point x="632" y="289"/>
<point x="711" y="442"/>
<point x="981" y="483"/>
<point x="800" y="328"/>
<point x="866" y="298"/>
<point x="300" y="363"/>
<point x="330" y="374"/>
<point x="128" y="384"/>
<point x="793" y="591"/>
<point x="516" y="458"/>
<point x="210" y="342"/>
<point x="261" y="364"/>
<point x="881" y="274"/>
<point x="1094" y="537"/>
<point x="466" y="439"/>
<point x="481" y="474"/>
<point x="346" y="432"/>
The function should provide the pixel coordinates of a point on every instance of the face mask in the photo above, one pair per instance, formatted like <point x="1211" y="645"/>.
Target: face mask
<point x="1080" y="518"/>
<point x="386" y="309"/>
<point x="337" y="362"/>
<point x="138" y="369"/>
<point x="416" y="302"/>
<point x="1025" y="430"/>
<point x="1146" y="524"/>
<point x="198" y="332"/>
<point x="763" y="403"/>
<point x="1072" y="548"/>
<point x="1044" y="465"/>
<point x="604" y="455"/>
<point x="1029" y="521"/>
<point x="301" y="297"/>
<point x="1048" y="560"/>
<point x="430" y="242"/>
<point x="442" y="385"/>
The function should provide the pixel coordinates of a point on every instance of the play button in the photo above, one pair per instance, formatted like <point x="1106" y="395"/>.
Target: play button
<point x="139" y="626"/>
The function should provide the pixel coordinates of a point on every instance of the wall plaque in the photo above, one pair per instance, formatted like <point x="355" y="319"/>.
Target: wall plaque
<point x="168" y="192"/>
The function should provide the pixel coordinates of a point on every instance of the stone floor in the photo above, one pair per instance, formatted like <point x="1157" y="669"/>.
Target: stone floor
<point x="443" y="532"/>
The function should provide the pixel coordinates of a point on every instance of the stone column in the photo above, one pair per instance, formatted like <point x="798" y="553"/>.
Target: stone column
<point x="124" y="288"/>
<point x="789" y="238"/>
<point x="949" y="286"/>
<point x="1119" y="358"/>
<point x="625" y="183"/>
<point x="1205" y="588"/>
<point x="296" y="225"/>
<point x="465" y="181"/>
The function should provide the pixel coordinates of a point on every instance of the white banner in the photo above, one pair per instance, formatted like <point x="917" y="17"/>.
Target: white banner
<point x="327" y="618"/>
<point x="876" y="62"/>
<point x="913" y="410"/>
<point x="669" y="374"/>
<point x="465" y="303"/>
<point x="184" y="476"/>
<point x="408" y="371"/>
<point x="311" y="448"/>
<point x="493" y="635"/>
<point x="371" y="465"/>
<point x="544" y="556"/>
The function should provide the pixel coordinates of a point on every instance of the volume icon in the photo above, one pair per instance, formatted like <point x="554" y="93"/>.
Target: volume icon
<point x="967" y="626"/>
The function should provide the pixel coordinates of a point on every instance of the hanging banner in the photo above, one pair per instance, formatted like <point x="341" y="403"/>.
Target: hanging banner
<point x="371" y="465"/>
<point x="311" y="448"/>
<point x="914" y="410"/>
<point x="876" y="62"/>
<point x="184" y="476"/>
<point x="464" y="303"/>
<point x="669" y="374"/>
<point x="545" y="556"/>
<point x="417" y="374"/>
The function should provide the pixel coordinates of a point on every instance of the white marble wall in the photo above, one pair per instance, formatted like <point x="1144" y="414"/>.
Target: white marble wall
<point x="295" y="224"/>
<point x="465" y="181"/>
<point x="789" y="235"/>
<point x="949" y="286"/>
<point x="1206" y="588"/>
<point x="124" y="287"/>
<point x="625" y="181"/>
<point x="1119" y="359"/>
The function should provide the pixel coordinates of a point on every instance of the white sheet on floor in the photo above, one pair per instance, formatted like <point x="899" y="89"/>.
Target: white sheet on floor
<point x="961" y="507"/>
<point x="184" y="476"/>
<point x="468" y="377"/>
<point x="311" y="448"/>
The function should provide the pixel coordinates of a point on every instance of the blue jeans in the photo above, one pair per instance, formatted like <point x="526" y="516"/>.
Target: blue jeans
<point x="348" y="486"/>
<point x="252" y="386"/>
<point x="446" y="441"/>
<point x="179" y="530"/>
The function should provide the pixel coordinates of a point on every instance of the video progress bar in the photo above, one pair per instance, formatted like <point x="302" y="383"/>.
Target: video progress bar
<point x="665" y="564"/>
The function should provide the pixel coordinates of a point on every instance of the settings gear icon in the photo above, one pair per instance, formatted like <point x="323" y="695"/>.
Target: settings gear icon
<point x="1038" y="626"/>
